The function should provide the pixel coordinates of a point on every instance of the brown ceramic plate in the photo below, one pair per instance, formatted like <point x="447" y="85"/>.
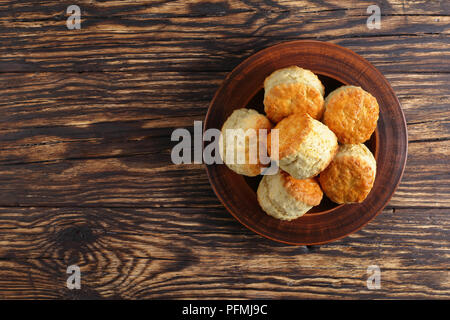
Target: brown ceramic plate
<point x="335" y="66"/>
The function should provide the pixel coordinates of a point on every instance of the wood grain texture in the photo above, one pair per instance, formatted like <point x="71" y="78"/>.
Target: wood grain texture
<point x="335" y="66"/>
<point x="214" y="35"/>
<point x="82" y="99"/>
<point x="85" y="171"/>
<point x="142" y="253"/>
<point x="102" y="124"/>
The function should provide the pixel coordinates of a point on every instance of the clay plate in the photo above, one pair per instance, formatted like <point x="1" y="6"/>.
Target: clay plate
<point x="335" y="66"/>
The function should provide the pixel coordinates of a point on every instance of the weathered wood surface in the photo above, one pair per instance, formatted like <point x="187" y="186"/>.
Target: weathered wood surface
<point x="214" y="35"/>
<point x="85" y="170"/>
<point x="198" y="253"/>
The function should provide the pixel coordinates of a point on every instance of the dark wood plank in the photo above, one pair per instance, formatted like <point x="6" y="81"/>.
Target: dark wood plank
<point x="162" y="99"/>
<point x="61" y="99"/>
<point x="424" y="183"/>
<point x="150" y="180"/>
<point x="174" y="253"/>
<point x="96" y="139"/>
<point x="135" y="52"/>
<point x="160" y="279"/>
<point x="213" y="36"/>
<point x="21" y="9"/>
<point x="424" y="98"/>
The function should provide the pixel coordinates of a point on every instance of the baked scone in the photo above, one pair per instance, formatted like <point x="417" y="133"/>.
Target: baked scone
<point x="306" y="146"/>
<point x="243" y="119"/>
<point x="350" y="176"/>
<point x="293" y="90"/>
<point x="351" y="113"/>
<point x="286" y="198"/>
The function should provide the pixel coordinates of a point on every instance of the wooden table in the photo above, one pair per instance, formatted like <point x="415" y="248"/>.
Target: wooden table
<point x="85" y="172"/>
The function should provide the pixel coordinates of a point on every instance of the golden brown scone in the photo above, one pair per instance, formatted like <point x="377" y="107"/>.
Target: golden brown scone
<point x="351" y="113"/>
<point x="306" y="146"/>
<point x="286" y="198"/>
<point x="243" y="119"/>
<point x="293" y="90"/>
<point x="350" y="176"/>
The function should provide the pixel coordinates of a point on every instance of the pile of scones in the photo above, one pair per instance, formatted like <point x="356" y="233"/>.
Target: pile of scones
<point x="321" y="140"/>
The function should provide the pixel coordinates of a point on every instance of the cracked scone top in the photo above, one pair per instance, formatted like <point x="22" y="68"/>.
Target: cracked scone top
<point x="351" y="113"/>
<point x="350" y="176"/>
<point x="284" y="197"/>
<point x="293" y="90"/>
<point x="306" y="146"/>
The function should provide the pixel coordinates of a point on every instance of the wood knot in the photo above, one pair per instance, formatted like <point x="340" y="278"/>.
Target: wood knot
<point x="75" y="236"/>
<point x="209" y="8"/>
